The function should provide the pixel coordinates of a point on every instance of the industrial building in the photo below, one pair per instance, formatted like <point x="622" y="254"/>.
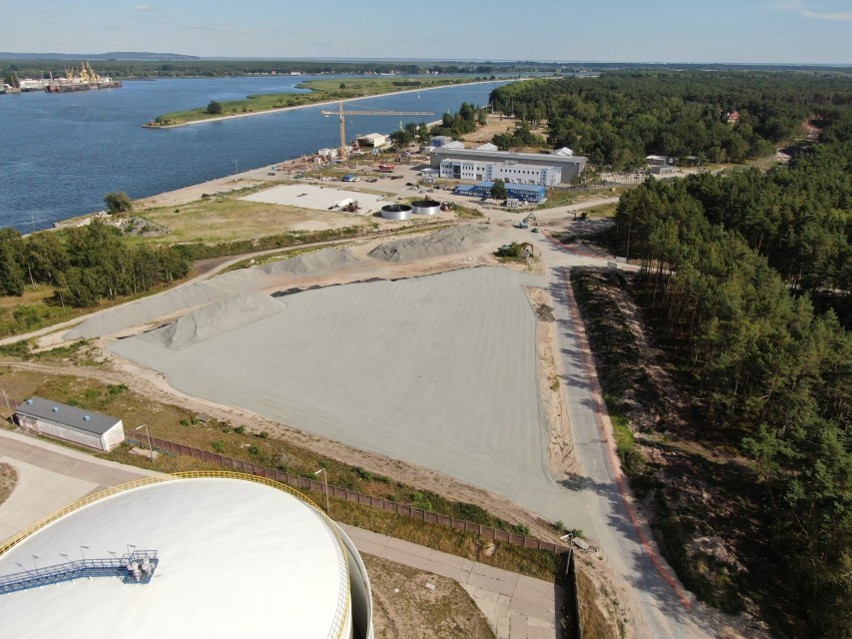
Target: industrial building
<point x="532" y="194"/>
<point x="200" y="554"/>
<point x="77" y="425"/>
<point x="478" y="160"/>
<point x="506" y="171"/>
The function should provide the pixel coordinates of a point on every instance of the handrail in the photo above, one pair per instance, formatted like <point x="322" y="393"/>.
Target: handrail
<point x="133" y="568"/>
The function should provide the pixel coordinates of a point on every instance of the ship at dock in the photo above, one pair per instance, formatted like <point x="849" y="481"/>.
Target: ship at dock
<point x="84" y="80"/>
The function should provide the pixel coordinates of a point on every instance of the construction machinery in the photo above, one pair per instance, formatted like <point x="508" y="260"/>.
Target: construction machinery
<point x="342" y="114"/>
<point x="526" y="222"/>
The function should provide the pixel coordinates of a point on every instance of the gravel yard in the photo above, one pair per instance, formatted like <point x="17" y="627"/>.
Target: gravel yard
<point x="321" y="198"/>
<point x="440" y="371"/>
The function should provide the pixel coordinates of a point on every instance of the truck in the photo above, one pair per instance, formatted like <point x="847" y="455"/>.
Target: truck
<point x="525" y="223"/>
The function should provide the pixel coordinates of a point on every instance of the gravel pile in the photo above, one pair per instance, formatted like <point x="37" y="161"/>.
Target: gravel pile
<point x="314" y="263"/>
<point x="215" y="319"/>
<point x="455" y="239"/>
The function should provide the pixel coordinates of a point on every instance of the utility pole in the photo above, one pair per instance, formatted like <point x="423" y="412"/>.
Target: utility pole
<point x="325" y="486"/>
<point x="150" y="446"/>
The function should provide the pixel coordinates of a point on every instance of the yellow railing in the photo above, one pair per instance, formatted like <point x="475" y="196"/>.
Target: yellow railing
<point x="344" y="599"/>
<point x="77" y="505"/>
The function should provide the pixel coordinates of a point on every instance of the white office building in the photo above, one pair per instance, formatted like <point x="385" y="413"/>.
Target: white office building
<point x="473" y="164"/>
<point x="514" y="172"/>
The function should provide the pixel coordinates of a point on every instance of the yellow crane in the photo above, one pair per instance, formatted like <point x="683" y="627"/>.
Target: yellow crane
<point x="340" y="112"/>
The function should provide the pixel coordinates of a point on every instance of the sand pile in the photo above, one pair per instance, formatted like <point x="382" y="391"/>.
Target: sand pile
<point x="215" y="319"/>
<point x="221" y="287"/>
<point x="314" y="263"/>
<point x="456" y="239"/>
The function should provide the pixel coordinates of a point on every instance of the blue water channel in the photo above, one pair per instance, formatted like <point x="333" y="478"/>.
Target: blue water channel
<point x="60" y="153"/>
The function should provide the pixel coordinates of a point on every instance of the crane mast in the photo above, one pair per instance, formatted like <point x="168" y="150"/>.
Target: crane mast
<point x="342" y="115"/>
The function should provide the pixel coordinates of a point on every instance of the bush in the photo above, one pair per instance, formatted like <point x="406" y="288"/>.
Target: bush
<point x="422" y="502"/>
<point x="214" y="108"/>
<point x="118" y="202"/>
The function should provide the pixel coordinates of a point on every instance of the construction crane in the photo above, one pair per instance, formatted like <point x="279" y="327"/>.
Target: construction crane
<point x="340" y="112"/>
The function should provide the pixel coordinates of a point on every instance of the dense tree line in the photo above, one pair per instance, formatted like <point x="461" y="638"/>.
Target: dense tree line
<point x="620" y="118"/>
<point x="409" y="133"/>
<point x="519" y="138"/>
<point x="468" y="117"/>
<point x="85" y="265"/>
<point x="196" y="67"/>
<point x="730" y="263"/>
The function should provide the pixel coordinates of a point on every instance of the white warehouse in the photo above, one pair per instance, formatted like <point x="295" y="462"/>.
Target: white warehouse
<point x="514" y="172"/>
<point x="77" y="425"/>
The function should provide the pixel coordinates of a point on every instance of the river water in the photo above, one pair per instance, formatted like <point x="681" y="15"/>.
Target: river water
<point x="60" y="153"/>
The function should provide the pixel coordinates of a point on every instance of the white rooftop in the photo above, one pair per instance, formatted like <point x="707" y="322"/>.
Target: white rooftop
<point x="237" y="558"/>
<point x="564" y="152"/>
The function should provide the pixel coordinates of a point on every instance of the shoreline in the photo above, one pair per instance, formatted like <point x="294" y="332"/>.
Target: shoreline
<point x="192" y="192"/>
<point x="322" y="103"/>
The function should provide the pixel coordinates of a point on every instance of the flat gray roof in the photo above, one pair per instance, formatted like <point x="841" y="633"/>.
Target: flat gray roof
<point x="66" y="415"/>
<point x="504" y="156"/>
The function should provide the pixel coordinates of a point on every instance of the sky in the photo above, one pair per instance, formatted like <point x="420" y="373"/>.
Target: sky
<point x="746" y="31"/>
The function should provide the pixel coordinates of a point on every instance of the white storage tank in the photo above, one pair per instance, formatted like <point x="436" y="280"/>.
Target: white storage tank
<point x="396" y="212"/>
<point x="238" y="556"/>
<point x="426" y="207"/>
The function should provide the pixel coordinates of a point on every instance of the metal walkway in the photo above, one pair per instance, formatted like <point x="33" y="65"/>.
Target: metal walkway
<point x="136" y="567"/>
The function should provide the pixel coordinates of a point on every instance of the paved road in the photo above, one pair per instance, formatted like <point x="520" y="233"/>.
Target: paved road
<point x="599" y="496"/>
<point x="516" y="606"/>
<point x="51" y="477"/>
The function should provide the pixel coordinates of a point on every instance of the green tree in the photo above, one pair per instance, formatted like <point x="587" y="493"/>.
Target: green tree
<point x="498" y="191"/>
<point x="118" y="202"/>
<point x="214" y="108"/>
<point x="11" y="257"/>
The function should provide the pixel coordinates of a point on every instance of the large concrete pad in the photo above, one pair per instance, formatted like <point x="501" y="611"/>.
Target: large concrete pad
<point x="321" y="198"/>
<point x="440" y="371"/>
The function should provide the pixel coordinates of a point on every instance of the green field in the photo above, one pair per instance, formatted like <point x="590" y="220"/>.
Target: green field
<point x="320" y="91"/>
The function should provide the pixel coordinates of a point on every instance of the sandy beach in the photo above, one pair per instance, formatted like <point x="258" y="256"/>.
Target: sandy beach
<point x="316" y="104"/>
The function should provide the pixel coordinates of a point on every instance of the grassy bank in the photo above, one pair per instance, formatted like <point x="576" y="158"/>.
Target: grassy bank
<point x="316" y="91"/>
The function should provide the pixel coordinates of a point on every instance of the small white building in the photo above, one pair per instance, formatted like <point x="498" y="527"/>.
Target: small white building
<point x="373" y="140"/>
<point x="658" y="160"/>
<point x="85" y="427"/>
<point x="437" y="141"/>
<point x="487" y="147"/>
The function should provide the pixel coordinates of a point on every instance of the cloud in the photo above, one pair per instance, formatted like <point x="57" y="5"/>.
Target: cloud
<point x="143" y="7"/>
<point x="804" y="10"/>
<point x="840" y="16"/>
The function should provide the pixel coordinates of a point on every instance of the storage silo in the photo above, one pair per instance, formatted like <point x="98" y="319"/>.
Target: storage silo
<point x="227" y="555"/>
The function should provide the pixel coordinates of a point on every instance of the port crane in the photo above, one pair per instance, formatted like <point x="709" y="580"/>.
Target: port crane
<point x="342" y="114"/>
